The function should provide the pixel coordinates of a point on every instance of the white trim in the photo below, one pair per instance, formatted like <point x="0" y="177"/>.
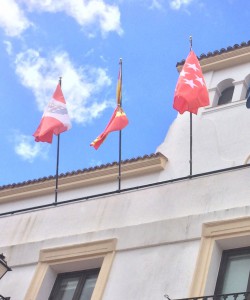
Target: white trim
<point x="208" y="110"/>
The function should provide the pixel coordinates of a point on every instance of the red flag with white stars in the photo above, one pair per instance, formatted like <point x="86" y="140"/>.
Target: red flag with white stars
<point x="191" y="92"/>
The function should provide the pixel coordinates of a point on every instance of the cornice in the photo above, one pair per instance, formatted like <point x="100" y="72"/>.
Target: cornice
<point x="130" y="168"/>
<point x="222" y="60"/>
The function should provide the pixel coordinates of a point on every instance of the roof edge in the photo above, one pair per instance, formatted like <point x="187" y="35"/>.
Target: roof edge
<point x="223" y="58"/>
<point x="86" y="177"/>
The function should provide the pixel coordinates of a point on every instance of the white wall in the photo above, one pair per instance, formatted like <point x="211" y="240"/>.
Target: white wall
<point x="158" y="229"/>
<point x="221" y="138"/>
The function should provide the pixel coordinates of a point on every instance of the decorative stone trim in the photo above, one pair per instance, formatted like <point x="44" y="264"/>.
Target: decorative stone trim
<point x="108" y="173"/>
<point x="227" y="232"/>
<point x="102" y="252"/>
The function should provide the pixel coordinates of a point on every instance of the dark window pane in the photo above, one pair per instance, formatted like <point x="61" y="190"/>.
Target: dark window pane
<point x="248" y="92"/>
<point x="75" y="285"/>
<point x="226" y="96"/>
<point x="66" y="288"/>
<point x="237" y="273"/>
<point x="88" y="287"/>
<point x="234" y="272"/>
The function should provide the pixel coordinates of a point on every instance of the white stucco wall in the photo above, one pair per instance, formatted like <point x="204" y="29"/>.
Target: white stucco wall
<point x="158" y="229"/>
<point x="221" y="138"/>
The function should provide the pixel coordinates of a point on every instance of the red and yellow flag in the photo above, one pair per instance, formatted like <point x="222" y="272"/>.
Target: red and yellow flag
<point x="117" y="122"/>
<point x="119" y="86"/>
<point x="118" y="119"/>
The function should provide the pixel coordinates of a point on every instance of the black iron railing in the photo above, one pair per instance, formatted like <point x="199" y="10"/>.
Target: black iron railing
<point x="94" y="196"/>
<point x="4" y="298"/>
<point x="232" y="296"/>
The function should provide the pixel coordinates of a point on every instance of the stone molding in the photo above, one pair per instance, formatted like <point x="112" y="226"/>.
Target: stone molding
<point x="97" y="176"/>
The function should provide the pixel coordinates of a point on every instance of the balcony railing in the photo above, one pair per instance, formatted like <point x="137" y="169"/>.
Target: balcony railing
<point x="232" y="296"/>
<point x="4" y="298"/>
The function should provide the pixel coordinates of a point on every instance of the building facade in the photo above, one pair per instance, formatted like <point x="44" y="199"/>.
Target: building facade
<point x="166" y="233"/>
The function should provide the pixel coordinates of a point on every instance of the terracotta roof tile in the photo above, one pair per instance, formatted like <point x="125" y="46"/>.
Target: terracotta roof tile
<point x="80" y="171"/>
<point x="218" y="52"/>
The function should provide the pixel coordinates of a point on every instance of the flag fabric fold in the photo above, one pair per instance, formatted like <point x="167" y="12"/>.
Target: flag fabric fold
<point x="119" y="87"/>
<point x="118" y="120"/>
<point x="55" y="119"/>
<point x="191" y="92"/>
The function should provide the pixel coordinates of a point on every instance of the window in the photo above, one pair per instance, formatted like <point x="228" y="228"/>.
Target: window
<point x="74" y="285"/>
<point x="234" y="272"/>
<point x="217" y="237"/>
<point x="226" y="96"/>
<point x="247" y="97"/>
<point x="248" y="92"/>
<point x="55" y="263"/>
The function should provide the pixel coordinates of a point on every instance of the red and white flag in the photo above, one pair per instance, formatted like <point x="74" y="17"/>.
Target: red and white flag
<point x="191" y="92"/>
<point x="55" y="119"/>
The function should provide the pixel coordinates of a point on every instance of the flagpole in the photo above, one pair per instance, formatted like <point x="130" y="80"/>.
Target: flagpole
<point x="57" y="156"/>
<point x="191" y="144"/>
<point x="120" y="159"/>
<point x="120" y="134"/>
<point x="191" y="127"/>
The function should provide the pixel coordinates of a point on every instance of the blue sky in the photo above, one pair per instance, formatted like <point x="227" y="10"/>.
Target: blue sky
<point x="82" y="41"/>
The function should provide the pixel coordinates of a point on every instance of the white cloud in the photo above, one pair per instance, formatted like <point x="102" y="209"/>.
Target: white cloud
<point x="177" y="4"/>
<point x="90" y="53"/>
<point x="94" y="163"/>
<point x="85" y="13"/>
<point x="12" y="18"/>
<point x="103" y="58"/>
<point x="88" y="14"/>
<point x="156" y="4"/>
<point x="27" y="149"/>
<point x="8" y="47"/>
<point x="80" y="85"/>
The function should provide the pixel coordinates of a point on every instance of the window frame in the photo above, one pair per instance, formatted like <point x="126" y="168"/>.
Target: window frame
<point x="60" y="259"/>
<point x="247" y="92"/>
<point x="226" y="95"/>
<point x="81" y="283"/>
<point x="223" y="265"/>
<point x="227" y="234"/>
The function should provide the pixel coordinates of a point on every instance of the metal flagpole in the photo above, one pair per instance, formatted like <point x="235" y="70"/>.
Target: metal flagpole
<point x="191" y="126"/>
<point x="120" y="132"/>
<point x="120" y="159"/>
<point x="57" y="156"/>
<point x="191" y="145"/>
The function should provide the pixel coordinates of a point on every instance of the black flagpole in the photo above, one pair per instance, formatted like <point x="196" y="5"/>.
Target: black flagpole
<point x="57" y="157"/>
<point x="191" y="126"/>
<point x="120" y="132"/>
<point x="120" y="158"/>
<point x="191" y="144"/>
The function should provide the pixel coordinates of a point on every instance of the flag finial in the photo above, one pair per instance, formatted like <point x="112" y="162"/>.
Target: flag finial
<point x="191" y="42"/>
